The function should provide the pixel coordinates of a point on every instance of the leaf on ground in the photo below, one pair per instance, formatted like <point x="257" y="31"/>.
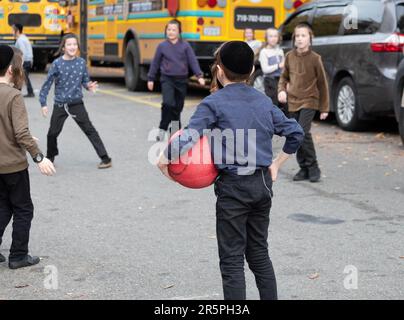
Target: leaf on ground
<point x="401" y="257"/>
<point x="314" y="276"/>
<point x="380" y="135"/>
<point x="21" y="286"/>
<point x="168" y="286"/>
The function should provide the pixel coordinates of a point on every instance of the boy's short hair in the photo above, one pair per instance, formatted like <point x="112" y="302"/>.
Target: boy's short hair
<point x="6" y="57"/>
<point x="18" y="26"/>
<point x="237" y="60"/>
<point x="304" y="25"/>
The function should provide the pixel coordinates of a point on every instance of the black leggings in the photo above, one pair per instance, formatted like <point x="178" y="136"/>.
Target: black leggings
<point x="80" y="115"/>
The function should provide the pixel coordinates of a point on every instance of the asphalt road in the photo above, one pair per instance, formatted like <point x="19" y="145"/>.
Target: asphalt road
<point x="128" y="233"/>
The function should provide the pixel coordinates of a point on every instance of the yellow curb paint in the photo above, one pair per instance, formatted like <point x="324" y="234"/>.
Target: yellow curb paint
<point x="145" y="99"/>
<point x="134" y="99"/>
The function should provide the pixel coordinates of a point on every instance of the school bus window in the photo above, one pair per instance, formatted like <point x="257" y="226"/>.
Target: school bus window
<point x="29" y="20"/>
<point x="25" y="1"/>
<point x="145" y="6"/>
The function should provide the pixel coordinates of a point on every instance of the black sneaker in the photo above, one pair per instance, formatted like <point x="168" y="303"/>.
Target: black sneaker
<point x="314" y="174"/>
<point x="29" y="95"/>
<point x="28" y="261"/>
<point x="106" y="163"/>
<point x="303" y="174"/>
<point x="2" y="258"/>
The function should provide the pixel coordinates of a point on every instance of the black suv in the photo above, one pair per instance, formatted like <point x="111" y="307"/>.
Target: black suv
<point x="361" y="43"/>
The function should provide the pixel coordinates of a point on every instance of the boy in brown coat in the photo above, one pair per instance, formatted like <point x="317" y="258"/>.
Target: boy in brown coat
<point x="303" y="85"/>
<point x="15" y="139"/>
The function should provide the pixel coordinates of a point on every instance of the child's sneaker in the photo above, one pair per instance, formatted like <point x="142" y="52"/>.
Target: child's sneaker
<point x="106" y="163"/>
<point x="314" y="174"/>
<point x="27" y="261"/>
<point x="303" y="174"/>
<point x="161" y="136"/>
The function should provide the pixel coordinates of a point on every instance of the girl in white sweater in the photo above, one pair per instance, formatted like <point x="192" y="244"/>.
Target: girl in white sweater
<point x="272" y="61"/>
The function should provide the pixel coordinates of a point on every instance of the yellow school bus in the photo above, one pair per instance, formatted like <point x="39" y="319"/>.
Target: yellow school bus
<point x="44" y="21"/>
<point x="126" y="32"/>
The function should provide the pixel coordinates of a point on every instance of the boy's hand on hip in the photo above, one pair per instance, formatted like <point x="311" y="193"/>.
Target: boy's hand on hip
<point x="282" y="97"/>
<point x="44" y="111"/>
<point x="150" y="85"/>
<point x="164" y="170"/>
<point x="276" y="164"/>
<point x="273" y="169"/>
<point x="163" y="166"/>
<point x="46" y="167"/>
<point x="323" y="115"/>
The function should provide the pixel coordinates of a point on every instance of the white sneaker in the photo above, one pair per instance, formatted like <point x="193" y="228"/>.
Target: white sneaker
<point x="161" y="136"/>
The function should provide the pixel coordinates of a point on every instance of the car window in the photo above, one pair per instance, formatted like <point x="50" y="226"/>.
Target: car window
<point x="400" y="17"/>
<point x="369" y="16"/>
<point x="327" y="21"/>
<point x="290" y="25"/>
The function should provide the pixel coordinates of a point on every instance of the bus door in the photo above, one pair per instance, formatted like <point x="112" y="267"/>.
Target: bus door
<point x="111" y="10"/>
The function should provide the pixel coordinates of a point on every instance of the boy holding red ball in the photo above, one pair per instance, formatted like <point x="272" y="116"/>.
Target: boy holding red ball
<point x="244" y="185"/>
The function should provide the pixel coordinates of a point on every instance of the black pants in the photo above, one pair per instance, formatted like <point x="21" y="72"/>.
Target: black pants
<point x="306" y="155"/>
<point x="80" y="115"/>
<point x="27" y="69"/>
<point x="242" y="220"/>
<point x="174" y="91"/>
<point x="271" y="90"/>
<point x="15" y="201"/>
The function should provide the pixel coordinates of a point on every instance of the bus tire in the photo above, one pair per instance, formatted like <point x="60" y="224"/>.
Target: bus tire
<point x="132" y="68"/>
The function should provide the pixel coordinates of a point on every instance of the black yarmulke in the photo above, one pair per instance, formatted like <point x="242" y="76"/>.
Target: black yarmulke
<point x="6" y="55"/>
<point x="237" y="56"/>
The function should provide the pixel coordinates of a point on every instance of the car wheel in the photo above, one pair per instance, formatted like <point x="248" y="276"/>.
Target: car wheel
<point x="346" y="105"/>
<point x="401" y="121"/>
<point x="132" y="68"/>
<point x="398" y="100"/>
<point x="257" y="81"/>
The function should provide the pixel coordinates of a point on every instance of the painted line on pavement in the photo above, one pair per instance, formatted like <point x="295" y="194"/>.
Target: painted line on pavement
<point x="144" y="99"/>
<point x="134" y="99"/>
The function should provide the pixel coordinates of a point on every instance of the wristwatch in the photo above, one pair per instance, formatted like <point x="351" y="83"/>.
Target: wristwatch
<point x="38" y="158"/>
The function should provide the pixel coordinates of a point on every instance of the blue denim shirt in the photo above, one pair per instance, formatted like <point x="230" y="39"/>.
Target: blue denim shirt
<point x="239" y="111"/>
